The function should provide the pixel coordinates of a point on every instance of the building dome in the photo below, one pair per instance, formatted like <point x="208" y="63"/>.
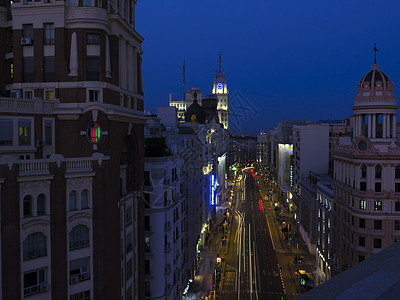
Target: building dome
<point x="375" y="76"/>
<point x="375" y="88"/>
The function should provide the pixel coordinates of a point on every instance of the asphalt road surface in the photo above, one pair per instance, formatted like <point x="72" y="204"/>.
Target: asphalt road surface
<point x="252" y="270"/>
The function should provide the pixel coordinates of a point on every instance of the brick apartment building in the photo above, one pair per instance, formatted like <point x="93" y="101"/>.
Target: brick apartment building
<point x="71" y="150"/>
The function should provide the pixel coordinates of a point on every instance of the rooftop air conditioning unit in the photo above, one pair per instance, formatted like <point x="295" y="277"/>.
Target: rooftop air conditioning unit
<point x="26" y="41"/>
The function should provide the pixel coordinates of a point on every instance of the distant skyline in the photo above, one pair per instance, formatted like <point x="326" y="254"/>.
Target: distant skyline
<point x="287" y="60"/>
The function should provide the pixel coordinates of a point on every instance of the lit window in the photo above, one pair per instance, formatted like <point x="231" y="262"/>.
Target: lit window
<point x="24" y="132"/>
<point x="378" y="205"/>
<point x="363" y="204"/>
<point x="49" y="95"/>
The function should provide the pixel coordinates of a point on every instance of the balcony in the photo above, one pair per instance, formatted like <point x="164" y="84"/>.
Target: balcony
<point x="36" y="289"/>
<point x="34" y="167"/>
<point x="78" y="165"/>
<point x="35" y="106"/>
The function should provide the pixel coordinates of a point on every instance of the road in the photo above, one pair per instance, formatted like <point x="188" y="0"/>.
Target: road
<point x="251" y="264"/>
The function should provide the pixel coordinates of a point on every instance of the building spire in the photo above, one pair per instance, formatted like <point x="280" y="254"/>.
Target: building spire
<point x="375" y="50"/>
<point x="184" y="78"/>
<point x="219" y="68"/>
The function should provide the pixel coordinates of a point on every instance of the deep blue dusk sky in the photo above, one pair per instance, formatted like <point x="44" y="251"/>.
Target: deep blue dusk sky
<point x="290" y="59"/>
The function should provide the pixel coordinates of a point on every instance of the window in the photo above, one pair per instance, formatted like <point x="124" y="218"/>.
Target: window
<point x="147" y="289"/>
<point x="24" y="132"/>
<point x="79" y="270"/>
<point x="49" y="94"/>
<point x="377" y="243"/>
<point x="48" y="1"/>
<point x="147" y="267"/>
<point x="363" y="186"/>
<point x="73" y="2"/>
<point x="80" y="296"/>
<point x="84" y="199"/>
<point x="28" y="94"/>
<point x="88" y="2"/>
<point x="397" y="206"/>
<point x="49" y="68"/>
<point x="378" y="171"/>
<point x="94" y="95"/>
<point x="378" y="187"/>
<point x="363" y="171"/>
<point x="92" y="68"/>
<point x="397" y="172"/>
<point x="34" y="246"/>
<point x="41" y="205"/>
<point x="363" y="204"/>
<point x="35" y="282"/>
<point x="147" y="223"/>
<point x="397" y="225"/>
<point x="48" y="132"/>
<point x="397" y="187"/>
<point x="361" y="241"/>
<point x="27" y="2"/>
<point x="48" y="33"/>
<point x="377" y="224"/>
<point x="92" y="39"/>
<point x="29" y="75"/>
<point x="361" y="223"/>
<point x="6" y="132"/>
<point x="27" y="31"/>
<point x="378" y="205"/>
<point x="27" y="206"/>
<point x="147" y="247"/>
<point x="72" y="200"/>
<point x="79" y="237"/>
<point x="129" y="269"/>
<point x="361" y="258"/>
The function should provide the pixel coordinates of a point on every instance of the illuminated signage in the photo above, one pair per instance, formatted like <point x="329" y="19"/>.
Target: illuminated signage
<point x="212" y="184"/>
<point x="94" y="133"/>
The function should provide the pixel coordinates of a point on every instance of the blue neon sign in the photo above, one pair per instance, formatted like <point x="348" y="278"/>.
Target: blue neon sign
<point x="212" y="184"/>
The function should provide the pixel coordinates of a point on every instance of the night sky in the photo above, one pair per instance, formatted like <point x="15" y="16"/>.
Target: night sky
<point x="282" y="59"/>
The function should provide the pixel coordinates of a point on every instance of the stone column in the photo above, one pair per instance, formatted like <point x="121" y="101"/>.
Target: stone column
<point x="369" y="125"/>
<point x="374" y="126"/>
<point x="73" y="59"/>
<point x="384" y="135"/>
<point x="394" y="126"/>
<point x="359" y="125"/>
<point x="388" y="127"/>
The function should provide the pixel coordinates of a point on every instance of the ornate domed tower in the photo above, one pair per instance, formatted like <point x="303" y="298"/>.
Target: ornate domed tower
<point x="367" y="176"/>
<point x="375" y="108"/>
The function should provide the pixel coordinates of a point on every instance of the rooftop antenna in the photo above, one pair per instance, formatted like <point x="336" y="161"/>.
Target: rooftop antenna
<point x="219" y="69"/>
<point x="184" y="79"/>
<point x="375" y="50"/>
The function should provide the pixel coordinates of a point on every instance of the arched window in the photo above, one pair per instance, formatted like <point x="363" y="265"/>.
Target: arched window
<point x="378" y="171"/>
<point x="72" y="200"/>
<point x="27" y="206"/>
<point x="84" y="199"/>
<point x="41" y="205"/>
<point x="397" y="172"/>
<point x="363" y="171"/>
<point x="35" y="246"/>
<point x="79" y="237"/>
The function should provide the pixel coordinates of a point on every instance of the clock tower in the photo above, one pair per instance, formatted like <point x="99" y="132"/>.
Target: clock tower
<point x="220" y="91"/>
